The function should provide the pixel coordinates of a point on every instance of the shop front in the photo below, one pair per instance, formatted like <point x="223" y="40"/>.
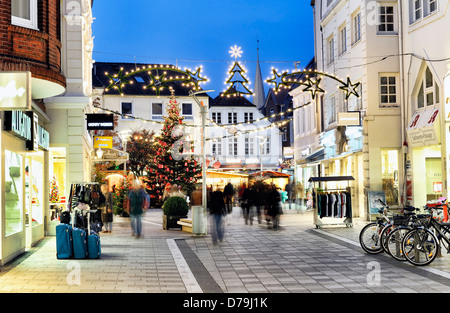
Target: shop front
<point x="24" y="172"/>
<point x="425" y="164"/>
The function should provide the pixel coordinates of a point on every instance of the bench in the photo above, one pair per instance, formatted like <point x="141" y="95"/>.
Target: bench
<point x="186" y="224"/>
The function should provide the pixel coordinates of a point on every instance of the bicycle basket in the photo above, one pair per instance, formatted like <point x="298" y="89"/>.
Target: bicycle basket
<point x="400" y="220"/>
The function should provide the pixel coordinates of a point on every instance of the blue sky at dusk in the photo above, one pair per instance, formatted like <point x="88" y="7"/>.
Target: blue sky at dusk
<point x="200" y="33"/>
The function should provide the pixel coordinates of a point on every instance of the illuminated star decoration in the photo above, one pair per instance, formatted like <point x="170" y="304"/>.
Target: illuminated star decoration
<point x="350" y="89"/>
<point x="313" y="86"/>
<point x="157" y="81"/>
<point x="277" y="80"/>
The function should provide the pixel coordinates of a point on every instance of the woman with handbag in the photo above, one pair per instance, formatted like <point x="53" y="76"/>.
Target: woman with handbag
<point x="107" y="210"/>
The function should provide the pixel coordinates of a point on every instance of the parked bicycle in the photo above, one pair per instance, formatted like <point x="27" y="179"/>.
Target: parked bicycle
<point x="372" y="235"/>
<point x="420" y="245"/>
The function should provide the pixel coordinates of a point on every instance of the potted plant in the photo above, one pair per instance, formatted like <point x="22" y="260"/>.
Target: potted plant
<point x="174" y="208"/>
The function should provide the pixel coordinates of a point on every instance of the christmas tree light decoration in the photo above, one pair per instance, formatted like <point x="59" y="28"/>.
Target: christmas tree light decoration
<point x="286" y="80"/>
<point x="157" y="81"/>
<point x="237" y="80"/>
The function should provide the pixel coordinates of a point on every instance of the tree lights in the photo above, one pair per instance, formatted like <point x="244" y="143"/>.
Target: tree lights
<point x="237" y="80"/>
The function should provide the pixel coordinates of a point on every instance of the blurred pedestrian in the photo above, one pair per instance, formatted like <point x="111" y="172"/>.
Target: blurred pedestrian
<point x="228" y="192"/>
<point x="136" y="204"/>
<point x="217" y="210"/>
<point x="274" y="206"/>
<point x="247" y="199"/>
<point x="107" y="209"/>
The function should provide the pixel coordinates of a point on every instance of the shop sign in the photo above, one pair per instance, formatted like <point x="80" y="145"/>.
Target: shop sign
<point x="15" y="91"/>
<point x="103" y="142"/>
<point x="100" y="121"/>
<point x="423" y="129"/>
<point x="352" y="118"/>
<point x="288" y="152"/>
<point x="19" y="123"/>
<point x="26" y="126"/>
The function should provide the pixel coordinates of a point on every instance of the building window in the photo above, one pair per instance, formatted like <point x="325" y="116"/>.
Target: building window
<point x="232" y="146"/>
<point x="419" y="9"/>
<point x="428" y="94"/>
<point x="332" y="110"/>
<point x="356" y="28"/>
<point x="386" y="19"/>
<point x="267" y="144"/>
<point x="186" y="111"/>
<point x="388" y="90"/>
<point x="232" y="118"/>
<point x="127" y="110"/>
<point x="24" y="13"/>
<point x="217" y="117"/>
<point x="217" y="147"/>
<point x="157" y="111"/>
<point x="249" y="146"/>
<point x="330" y="50"/>
<point x="248" y="117"/>
<point x="342" y="40"/>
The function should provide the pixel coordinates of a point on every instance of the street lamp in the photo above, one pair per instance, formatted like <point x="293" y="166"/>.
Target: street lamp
<point x="203" y="112"/>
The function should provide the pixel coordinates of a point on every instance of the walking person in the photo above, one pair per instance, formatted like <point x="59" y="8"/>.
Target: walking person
<point x="274" y="209"/>
<point x="217" y="210"/>
<point x="136" y="203"/>
<point x="228" y="192"/>
<point x="107" y="210"/>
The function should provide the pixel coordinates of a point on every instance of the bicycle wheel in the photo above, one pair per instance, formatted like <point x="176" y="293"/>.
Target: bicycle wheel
<point x="394" y="240"/>
<point x="369" y="238"/>
<point x="420" y="246"/>
<point x="384" y="234"/>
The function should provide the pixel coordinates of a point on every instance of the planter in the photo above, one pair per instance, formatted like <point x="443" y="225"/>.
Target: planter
<point x="170" y="221"/>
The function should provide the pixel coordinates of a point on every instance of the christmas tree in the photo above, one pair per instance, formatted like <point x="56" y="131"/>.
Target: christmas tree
<point x="54" y="191"/>
<point x="173" y="161"/>
<point x="237" y="79"/>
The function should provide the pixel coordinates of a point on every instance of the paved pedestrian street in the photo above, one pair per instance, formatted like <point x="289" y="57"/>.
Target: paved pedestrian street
<point x="254" y="259"/>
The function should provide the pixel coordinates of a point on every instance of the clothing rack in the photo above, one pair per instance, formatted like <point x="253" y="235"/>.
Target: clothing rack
<point x="332" y="206"/>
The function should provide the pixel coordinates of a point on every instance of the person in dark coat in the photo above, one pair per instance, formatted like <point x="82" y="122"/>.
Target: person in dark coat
<point x="228" y="192"/>
<point x="274" y="207"/>
<point x="216" y="207"/>
<point x="247" y="200"/>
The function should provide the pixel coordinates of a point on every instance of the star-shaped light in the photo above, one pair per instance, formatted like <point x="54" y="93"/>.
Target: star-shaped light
<point x="313" y="87"/>
<point x="157" y="82"/>
<point x="236" y="52"/>
<point x="350" y="89"/>
<point x="277" y="80"/>
<point x="195" y="78"/>
<point x="117" y="81"/>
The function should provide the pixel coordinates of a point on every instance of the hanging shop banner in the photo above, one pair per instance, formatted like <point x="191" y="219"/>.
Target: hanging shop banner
<point x="103" y="142"/>
<point x="26" y="126"/>
<point x="424" y="128"/>
<point x="15" y="91"/>
<point x="352" y="118"/>
<point x="100" y="121"/>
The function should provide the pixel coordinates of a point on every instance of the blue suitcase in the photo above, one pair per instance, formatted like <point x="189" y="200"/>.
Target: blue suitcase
<point x="94" y="246"/>
<point x="79" y="239"/>
<point x="64" y="248"/>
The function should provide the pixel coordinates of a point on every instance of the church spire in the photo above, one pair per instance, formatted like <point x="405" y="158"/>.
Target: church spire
<point x="258" y="94"/>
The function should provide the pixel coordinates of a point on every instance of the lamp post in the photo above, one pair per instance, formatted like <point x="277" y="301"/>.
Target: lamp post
<point x="203" y="112"/>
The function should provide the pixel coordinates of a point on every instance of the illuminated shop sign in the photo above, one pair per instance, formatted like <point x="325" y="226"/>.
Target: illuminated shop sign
<point x="26" y="126"/>
<point x="100" y="121"/>
<point x="15" y="91"/>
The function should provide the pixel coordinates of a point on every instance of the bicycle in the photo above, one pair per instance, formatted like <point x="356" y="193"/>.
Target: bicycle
<point x="420" y="245"/>
<point x="370" y="237"/>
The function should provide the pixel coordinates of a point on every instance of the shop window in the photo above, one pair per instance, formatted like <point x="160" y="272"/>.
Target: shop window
<point x="389" y="175"/>
<point x="24" y="13"/>
<point x="434" y="178"/>
<point x="13" y="193"/>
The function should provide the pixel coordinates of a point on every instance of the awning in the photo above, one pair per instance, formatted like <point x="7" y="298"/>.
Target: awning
<point x="271" y="174"/>
<point x="330" y="178"/>
<point x="316" y="156"/>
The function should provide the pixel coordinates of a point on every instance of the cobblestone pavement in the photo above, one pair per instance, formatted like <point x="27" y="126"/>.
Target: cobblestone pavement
<point x="297" y="258"/>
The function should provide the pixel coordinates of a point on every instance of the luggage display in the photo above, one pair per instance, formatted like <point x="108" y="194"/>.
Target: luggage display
<point x="65" y="217"/>
<point x="79" y="239"/>
<point x="94" y="247"/>
<point x="64" y="247"/>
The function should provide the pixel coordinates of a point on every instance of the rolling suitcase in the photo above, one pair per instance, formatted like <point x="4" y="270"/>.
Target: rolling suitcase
<point x="94" y="246"/>
<point x="79" y="239"/>
<point x="64" y="249"/>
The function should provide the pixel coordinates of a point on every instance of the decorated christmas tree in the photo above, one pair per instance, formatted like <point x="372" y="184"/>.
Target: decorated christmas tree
<point x="173" y="161"/>
<point x="54" y="191"/>
<point x="237" y="80"/>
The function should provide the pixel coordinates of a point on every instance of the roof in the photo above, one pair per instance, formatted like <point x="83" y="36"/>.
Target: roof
<point x="141" y="79"/>
<point x="231" y="101"/>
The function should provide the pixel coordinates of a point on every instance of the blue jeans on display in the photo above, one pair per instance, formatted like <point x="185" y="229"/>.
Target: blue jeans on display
<point x="218" y="229"/>
<point x="136" y="224"/>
